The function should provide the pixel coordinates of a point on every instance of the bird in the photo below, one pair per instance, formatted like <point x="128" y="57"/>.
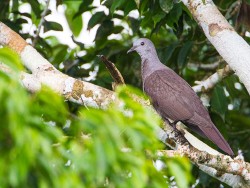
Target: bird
<point x="172" y="97"/>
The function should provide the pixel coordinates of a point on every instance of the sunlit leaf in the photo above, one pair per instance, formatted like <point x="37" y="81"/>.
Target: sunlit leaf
<point x="75" y="23"/>
<point x="10" y="58"/>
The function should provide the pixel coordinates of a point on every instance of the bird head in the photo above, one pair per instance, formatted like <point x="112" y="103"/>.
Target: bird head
<point x="143" y="47"/>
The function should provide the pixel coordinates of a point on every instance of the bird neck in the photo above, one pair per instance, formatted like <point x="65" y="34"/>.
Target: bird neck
<point x="149" y="65"/>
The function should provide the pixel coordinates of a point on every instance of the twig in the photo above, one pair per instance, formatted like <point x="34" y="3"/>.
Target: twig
<point x="211" y="66"/>
<point x="114" y="72"/>
<point x="44" y="13"/>
<point x="212" y="80"/>
<point x="233" y="9"/>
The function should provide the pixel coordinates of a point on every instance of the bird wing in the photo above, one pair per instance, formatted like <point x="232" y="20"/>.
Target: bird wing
<point x="171" y="95"/>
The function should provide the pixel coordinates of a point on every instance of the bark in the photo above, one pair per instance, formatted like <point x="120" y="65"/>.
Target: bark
<point x="231" y="46"/>
<point x="43" y="73"/>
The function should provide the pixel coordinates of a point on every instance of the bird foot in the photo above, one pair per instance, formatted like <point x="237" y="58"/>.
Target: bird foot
<point x="172" y="124"/>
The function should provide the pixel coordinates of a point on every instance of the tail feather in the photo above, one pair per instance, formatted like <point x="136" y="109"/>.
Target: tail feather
<point x="207" y="128"/>
<point x="213" y="134"/>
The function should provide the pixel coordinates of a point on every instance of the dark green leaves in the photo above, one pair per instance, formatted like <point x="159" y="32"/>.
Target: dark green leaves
<point x="183" y="54"/>
<point x="219" y="101"/>
<point x="36" y="8"/>
<point x="116" y="4"/>
<point x="52" y="26"/>
<point x="97" y="18"/>
<point x="156" y="18"/>
<point x="166" y="5"/>
<point x="174" y="15"/>
<point x="104" y="30"/>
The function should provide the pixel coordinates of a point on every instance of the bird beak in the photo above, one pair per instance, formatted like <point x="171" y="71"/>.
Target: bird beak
<point x="131" y="49"/>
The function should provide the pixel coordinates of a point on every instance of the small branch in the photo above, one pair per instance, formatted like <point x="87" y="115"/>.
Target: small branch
<point x="233" y="9"/>
<point x="211" y="81"/>
<point x="44" y="13"/>
<point x="203" y="66"/>
<point x="114" y="72"/>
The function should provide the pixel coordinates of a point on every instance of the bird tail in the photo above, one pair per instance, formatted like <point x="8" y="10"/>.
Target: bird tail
<point x="212" y="133"/>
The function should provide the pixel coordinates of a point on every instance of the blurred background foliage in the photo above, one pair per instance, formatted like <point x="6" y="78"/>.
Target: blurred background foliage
<point x="46" y="144"/>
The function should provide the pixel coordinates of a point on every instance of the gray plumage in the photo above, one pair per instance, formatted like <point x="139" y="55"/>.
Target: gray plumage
<point x="172" y="97"/>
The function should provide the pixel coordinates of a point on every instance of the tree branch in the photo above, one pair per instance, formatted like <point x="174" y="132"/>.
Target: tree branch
<point x="210" y="66"/>
<point x="211" y="81"/>
<point x="237" y="170"/>
<point x="42" y="72"/>
<point x="231" y="46"/>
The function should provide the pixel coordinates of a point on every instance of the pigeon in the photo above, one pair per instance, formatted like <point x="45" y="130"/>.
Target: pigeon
<point x="173" y="98"/>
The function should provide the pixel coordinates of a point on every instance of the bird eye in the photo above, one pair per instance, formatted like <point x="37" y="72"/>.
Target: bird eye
<point x="142" y="43"/>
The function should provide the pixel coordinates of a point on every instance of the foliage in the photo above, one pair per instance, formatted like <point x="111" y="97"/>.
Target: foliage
<point x="44" y="145"/>
<point x="179" y="42"/>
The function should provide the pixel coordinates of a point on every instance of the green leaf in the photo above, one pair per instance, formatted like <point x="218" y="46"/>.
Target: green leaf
<point x="137" y="2"/>
<point x="134" y="24"/>
<point x="36" y="8"/>
<point x="183" y="54"/>
<point x="104" y="30"/>
<point x="116" y="4"/>
<point x="118" y="29"/>
<point x="166" y="5"/>
<point x="52" y="26"/>
<point x="97" y="18"/>
<point x="85" y="6"/>
<point x="179" y="168"/>
<point x="75" y="23"/>
<point x="10" y="58"/>
<point x="130" y="5"/>
<point x="219" y="101"/>
<point x="156" y="18"/>
<point x="174" y="15"/>
<point x="59" y="54"/>
<point x="166" y="53"/>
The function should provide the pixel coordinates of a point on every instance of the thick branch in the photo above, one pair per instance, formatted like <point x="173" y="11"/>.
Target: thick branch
<point x="232" y="47"/>
<point x="91" y="95"/>
<point x="44" y="73"/>
<point x="216" y="166"/>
